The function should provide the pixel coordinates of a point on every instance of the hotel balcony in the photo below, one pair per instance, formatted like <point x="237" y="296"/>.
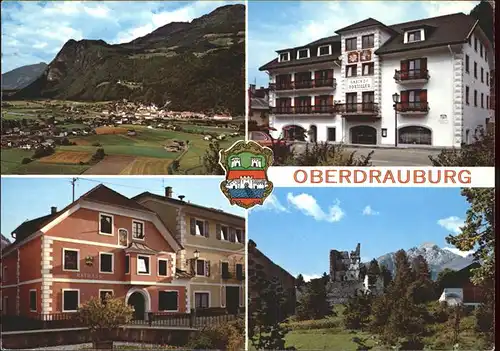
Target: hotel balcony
<point x="315" y="84"/>
<point x="411" y="76"/>
<point x="413" y="108"/>
<point x="305" y="110"/>
<point x="368" y="109"/>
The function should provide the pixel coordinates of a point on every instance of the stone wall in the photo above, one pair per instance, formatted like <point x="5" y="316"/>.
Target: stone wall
<point x="340" y="292"/>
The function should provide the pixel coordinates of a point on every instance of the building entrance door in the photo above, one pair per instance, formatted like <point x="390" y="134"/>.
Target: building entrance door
<point x="364" y="135"/>
<point x="137" y="301"/>
<point x="232" y="299"/>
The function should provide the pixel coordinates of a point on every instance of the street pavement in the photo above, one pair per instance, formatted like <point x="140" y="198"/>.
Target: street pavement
<point x="388" y="157"/>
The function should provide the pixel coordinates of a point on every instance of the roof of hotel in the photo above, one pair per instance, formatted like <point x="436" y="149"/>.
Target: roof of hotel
<point x="441" y="31"/>
<point x="100" y="193"/>
<point x="259" y="104"/>
<point x="184" y="203"/>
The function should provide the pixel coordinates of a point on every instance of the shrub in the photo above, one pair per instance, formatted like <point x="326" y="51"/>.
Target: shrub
<point x="26" y="160"/>
<point x="229" y="336"/>
<point x="43" y="151"/>
<point x="98" y="156"/>
<point x="326" y="323"/>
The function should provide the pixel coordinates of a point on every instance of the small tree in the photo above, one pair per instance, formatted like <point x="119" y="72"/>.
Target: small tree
<point x="313" y="303"/>
<point x="104" y="316"/>
<point x="211" y="159"/>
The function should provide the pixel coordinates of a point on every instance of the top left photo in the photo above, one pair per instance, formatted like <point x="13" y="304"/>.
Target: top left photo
<point x="121" y="88"/>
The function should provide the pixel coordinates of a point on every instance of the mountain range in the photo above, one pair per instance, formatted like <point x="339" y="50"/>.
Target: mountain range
<point x="193" y="66"/>
<point x="437" y="258"/>
<point x="23" y="76"/>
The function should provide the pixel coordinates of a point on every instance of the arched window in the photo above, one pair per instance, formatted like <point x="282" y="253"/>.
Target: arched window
<point x="415" y="135"/>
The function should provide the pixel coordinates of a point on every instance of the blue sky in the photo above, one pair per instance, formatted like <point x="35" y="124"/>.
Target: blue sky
<point x="28" y="198"/>
<point x="283" y="24"/>
<point x="34" y="32"/>
<point x="297" y="227"/>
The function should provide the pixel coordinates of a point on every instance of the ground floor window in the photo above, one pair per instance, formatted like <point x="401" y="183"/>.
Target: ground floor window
<point x="364" y="135"/>
<point x="71" y="300"/>
<point x="33" y="300"/>
<point x="331" y="134"/>
<point x="168" y="301"/>
<point x="415" y="135"/>
<point x="201" y="300"/>
<point x="103" y="294"/>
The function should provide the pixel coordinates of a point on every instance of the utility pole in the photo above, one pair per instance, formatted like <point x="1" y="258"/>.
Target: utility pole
<point x="73" y="182"/>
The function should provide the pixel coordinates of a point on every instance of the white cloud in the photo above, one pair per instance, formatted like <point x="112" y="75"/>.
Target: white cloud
<point x="368" y="211"/>
<point x="313" y="20"/>
<point x="458" y="252"/>
<point x="308" y="277"/>
<point x="272" y="203"/>
<point x="308" y="205"/>
<point x="452" y="224"/>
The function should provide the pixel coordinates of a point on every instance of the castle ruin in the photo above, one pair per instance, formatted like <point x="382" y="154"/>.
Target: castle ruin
<point x="345" y="279"/>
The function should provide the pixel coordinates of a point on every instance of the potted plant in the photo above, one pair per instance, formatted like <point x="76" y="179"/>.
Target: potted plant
<point x="102" y="316"/>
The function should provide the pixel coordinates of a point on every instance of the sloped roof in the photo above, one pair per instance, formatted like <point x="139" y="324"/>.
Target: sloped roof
<point x="29" y="227"/>
<point x="259" y="104"/>
<point x="140" y="248"/>
<point x="361" y="24"/>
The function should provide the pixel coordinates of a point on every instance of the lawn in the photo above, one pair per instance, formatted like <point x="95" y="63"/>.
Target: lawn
<point x="12" y="158"/>
<point x="325" y="339"/>
<point x="37" y="167"/>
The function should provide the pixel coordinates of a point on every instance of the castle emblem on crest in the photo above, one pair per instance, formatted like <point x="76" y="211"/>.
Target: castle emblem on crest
<point x="246" y="164"/>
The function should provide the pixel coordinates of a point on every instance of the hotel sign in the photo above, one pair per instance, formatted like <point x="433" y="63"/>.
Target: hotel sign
<point x="360" y="84"/>
<point x="89" y="275"/>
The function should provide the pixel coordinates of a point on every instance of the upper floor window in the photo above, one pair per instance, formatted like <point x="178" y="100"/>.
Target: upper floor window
<point x="239" y="235"/>
<point x="222" y="232"/>
<point x="143" y="265"/>
<point x="199" y="227"/>
<point x="415" y="35"/>
<point x="351" y="70"/>
<point x="475" y="69"/>
<point x="284" y="56"/>
<point x="367" y="41"/>
<point x="105" y="224"/>
<point x="239" y="271"/>
<point x="203" y="268"/>
<point x="475" y="98"/>
<point x="467" y="63"/>
<point x="467" y="94"/>
<point x="105" y="262"/>
<point x="482" y="75"/>
<point x="138" y="230"/>
<point x="351" y="44"/>
<point x="481" y="49"/>
<point x="71" y="260"/>
<point x="324" y="50"/>
<point x="368" y="69"/>
<point x="487" y="78"/>
<point x="475" y="44"/>
<point x="224" y="270"/>
<point x="302" y="54"/>
<point x="33" y="300"/>
<point x="162" y="267"/>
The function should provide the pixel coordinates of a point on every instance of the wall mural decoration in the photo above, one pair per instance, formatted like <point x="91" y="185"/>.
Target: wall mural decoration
<point x="353" y="57"/>
<point x="89" y="260"/>
<point x="366" y="55"/>
<point x="123" y="237"/>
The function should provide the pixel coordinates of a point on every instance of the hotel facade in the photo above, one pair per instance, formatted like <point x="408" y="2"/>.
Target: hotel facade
<point x="105" y="243"/>
<point x="424" y="82"/>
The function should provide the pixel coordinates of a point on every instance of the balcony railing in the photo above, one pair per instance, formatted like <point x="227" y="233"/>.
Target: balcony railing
<point x="411" y="75"/>
<point x="363" y="108"/>
<point x="304" y="110"/>
<point x="304" y="84"/>
<point x="416" y="106"/>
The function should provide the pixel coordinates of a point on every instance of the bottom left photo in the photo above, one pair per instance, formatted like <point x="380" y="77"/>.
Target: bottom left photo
<point x="121" y="263"/>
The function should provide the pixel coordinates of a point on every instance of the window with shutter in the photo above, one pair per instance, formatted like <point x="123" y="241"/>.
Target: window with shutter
<point x="200" y="267"/>
<point x="225" y="270"/>
<point x="206" y="229"/>
<point x="207" y="268"/>
<point x="218" y="234"/>
<point x="193" y="226"/>
<point x="232" y="235"/>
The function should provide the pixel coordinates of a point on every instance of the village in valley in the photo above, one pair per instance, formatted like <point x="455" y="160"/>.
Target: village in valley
<point x="63" y="137"/>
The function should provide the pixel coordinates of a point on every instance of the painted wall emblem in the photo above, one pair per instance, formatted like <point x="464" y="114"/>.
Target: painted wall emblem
<point x="366" y="55"/>
<point x="352" y="57"/>
<point x="246" y="164"/>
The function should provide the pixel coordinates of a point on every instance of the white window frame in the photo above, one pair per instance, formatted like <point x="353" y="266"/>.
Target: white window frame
<point x="112" y="223"/>
<point x="202" y="292"/>
<point x="222" y="237"/>
<point x="178" y="302"/>
<point x="204" y="267"/>
<point x="407" y="36"/>
<point x="143" y="229"/>
<point x="106" y="290"/>
<point x="284" y="53"/>
<point x="118" y="242"/>
<point x="112" y="262"/>
<point x="329" y="50"/>
<point x="158" y="264"/>
<point x="36" y="299"/>
<point x="236" y="240"/>
<point x="129" y="264"/>
<point x="62" y="300"/>
<point x="77" y="260"/>
<point x="308" y="54"/>
<point x="150" y="263"/>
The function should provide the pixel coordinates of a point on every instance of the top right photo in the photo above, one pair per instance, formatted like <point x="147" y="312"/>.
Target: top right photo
<point x="371" y="83"/>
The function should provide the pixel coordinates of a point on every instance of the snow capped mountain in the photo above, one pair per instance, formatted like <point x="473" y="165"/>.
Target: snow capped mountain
<point x="437" y="258"/>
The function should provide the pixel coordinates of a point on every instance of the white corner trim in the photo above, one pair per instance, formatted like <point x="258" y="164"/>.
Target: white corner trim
<point x="112" y="223"/>
<point x="322" y="46"/>
<point x="112" y="262"/>
<point x="304" y="49"/>
<point x="62" y="300"/>
<point x="77" y="260"/>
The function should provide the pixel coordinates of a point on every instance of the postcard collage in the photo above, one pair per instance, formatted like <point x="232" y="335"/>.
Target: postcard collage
<point x="247" y="175"/>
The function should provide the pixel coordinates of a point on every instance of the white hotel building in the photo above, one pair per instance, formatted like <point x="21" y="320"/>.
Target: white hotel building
<point x="341" y="88"/>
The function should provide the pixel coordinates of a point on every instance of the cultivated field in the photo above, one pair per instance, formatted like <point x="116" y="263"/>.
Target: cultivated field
<point x="69" y="157"/>
<point x="110" y="130"/>
<point x="147" y="165"/>
<point x="110" y="165"/>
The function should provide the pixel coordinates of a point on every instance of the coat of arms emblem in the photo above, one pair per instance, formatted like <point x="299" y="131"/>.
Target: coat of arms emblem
<point x="246" y="164"/>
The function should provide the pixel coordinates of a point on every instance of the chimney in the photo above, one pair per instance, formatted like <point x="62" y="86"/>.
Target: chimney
<point x="252" y="88"/>
<point x="168" y="191"/>
<point x="181" y="197"/>
<point x="53" y="210"/>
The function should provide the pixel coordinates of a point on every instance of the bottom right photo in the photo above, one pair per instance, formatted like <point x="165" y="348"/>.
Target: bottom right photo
<point x="372" y="269"/>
